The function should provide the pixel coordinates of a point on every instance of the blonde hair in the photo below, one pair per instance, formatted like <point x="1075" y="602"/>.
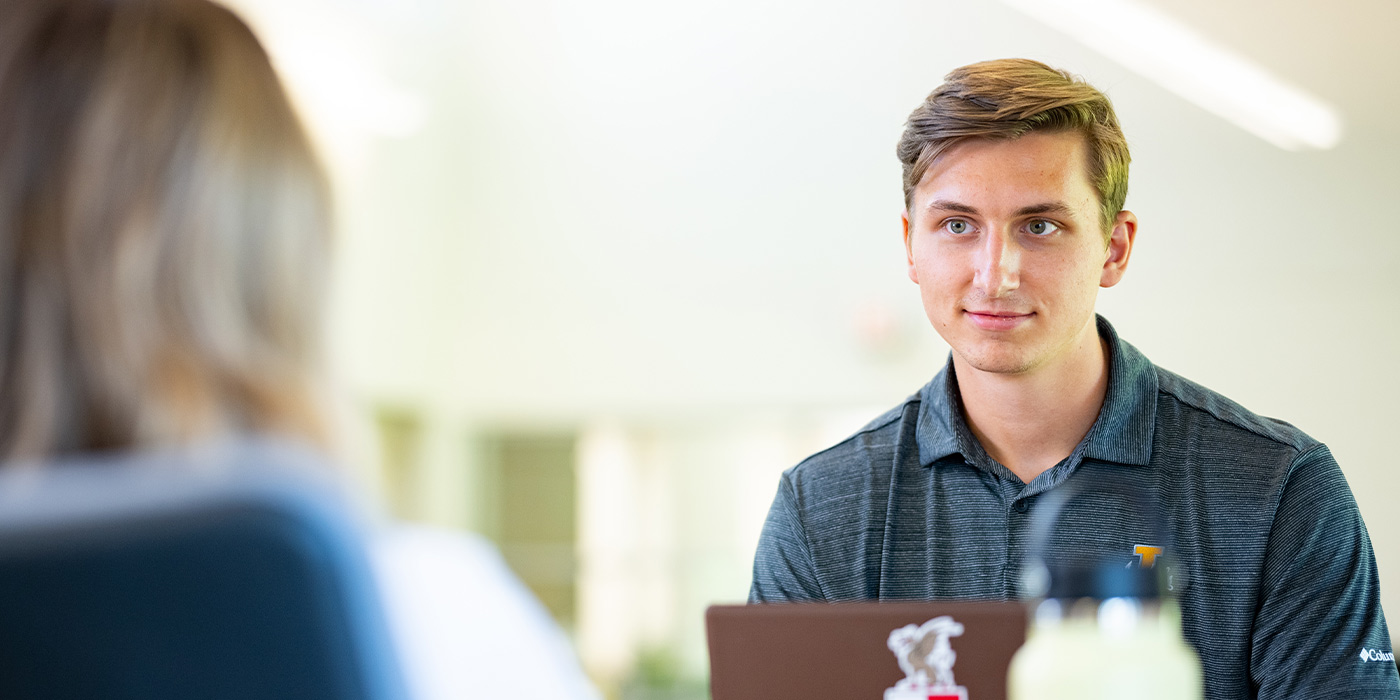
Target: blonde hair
<point x="1009" y="98"/>
<point x="164" y="226"/>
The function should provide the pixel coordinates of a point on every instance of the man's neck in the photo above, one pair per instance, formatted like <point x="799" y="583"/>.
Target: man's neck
<point x="1032" y="420"/>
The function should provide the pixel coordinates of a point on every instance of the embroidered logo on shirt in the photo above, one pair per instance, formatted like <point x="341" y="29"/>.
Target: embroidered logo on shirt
<point x="1376" y="655"/>
<point x="924" y="651"/>
<point x="1146" y="555"/>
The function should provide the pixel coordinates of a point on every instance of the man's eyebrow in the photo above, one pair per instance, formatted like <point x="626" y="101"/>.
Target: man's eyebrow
<point x="1043" y="208"/>
<point x="1046" y="208"/>
<point x="946" y="205"/>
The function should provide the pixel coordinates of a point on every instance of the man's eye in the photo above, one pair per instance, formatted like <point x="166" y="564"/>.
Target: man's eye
<point x="1042" y="228"/>
<point x="957" y="226"/>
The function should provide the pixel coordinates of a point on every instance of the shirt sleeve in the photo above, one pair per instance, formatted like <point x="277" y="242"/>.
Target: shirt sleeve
<point x="782" y="568"/>
<point x="1319" y="631"/>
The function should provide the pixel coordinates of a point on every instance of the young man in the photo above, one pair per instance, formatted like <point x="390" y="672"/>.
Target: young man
<point x="1015" y="176"/>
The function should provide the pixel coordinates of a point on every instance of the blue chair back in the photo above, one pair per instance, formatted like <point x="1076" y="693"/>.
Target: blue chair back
<point x="230" y="572"/>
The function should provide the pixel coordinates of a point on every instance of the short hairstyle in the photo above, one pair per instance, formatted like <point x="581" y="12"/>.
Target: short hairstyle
<point x="1006" y="99"/>
<point x="164" y="226"/>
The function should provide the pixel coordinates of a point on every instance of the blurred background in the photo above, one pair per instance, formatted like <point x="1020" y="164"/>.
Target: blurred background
<point x="606" y="268"/>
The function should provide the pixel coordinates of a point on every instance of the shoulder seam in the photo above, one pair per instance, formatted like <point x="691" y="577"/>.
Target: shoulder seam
<point x="895" y="414"/>
<point x="790" y="504"/>
<point x="1241" y="425"/>
<point x="1300" y="456"/>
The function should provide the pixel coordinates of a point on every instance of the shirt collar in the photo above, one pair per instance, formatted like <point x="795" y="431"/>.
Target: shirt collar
<point x="1122" y="433"/>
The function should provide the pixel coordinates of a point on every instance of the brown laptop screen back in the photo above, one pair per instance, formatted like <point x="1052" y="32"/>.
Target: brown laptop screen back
<point x="809" y="651"/>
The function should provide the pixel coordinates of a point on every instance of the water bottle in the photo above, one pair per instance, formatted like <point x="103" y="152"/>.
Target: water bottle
<point x="1100" y="630"/>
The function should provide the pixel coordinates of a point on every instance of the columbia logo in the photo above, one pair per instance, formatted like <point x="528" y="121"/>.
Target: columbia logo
<point x="1376" y="655"/>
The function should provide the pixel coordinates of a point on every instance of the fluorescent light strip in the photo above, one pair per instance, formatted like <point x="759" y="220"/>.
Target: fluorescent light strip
<point x="1211" y="76"/>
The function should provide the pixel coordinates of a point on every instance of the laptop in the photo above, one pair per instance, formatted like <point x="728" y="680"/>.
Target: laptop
<point x="955" y="650"/>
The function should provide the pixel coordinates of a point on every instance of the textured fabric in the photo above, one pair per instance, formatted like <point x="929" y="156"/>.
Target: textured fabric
<point x="1268" y="554"/>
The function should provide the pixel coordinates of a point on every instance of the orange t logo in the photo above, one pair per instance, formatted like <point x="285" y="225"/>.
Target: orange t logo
<point x="1146" y="554"/>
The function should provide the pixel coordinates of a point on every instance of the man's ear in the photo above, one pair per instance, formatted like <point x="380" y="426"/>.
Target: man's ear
<point x="908" y="247"/>
<point x="1120" y="248"/>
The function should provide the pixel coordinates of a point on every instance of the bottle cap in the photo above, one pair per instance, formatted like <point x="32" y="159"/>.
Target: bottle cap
<point x="1103" y="581"/>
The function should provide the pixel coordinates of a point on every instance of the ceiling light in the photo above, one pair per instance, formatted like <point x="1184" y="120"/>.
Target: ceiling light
<point x="1211" y="76"/>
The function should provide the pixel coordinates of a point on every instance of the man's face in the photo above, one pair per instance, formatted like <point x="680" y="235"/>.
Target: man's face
<point x="1005" y="240"/>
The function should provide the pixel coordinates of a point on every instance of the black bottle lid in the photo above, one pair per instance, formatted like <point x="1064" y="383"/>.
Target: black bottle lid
<point x="1103" y="581"/>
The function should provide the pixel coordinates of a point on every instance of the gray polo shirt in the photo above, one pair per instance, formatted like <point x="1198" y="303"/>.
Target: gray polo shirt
<point x="1270" y="559"/>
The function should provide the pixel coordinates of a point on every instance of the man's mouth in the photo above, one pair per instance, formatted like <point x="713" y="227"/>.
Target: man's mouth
<point x="998" y="320"/>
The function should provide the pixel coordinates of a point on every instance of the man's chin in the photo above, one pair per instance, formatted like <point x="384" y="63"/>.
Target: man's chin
<point x="1003" y="361"/>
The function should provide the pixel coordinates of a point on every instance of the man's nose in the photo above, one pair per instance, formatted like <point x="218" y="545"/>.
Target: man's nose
<point x="998" y="265"/>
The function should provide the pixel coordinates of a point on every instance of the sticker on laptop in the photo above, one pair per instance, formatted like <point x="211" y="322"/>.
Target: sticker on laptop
<point x="926" y="658"/>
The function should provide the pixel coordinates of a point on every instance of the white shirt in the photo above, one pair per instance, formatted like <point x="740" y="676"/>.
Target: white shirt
<point x="464" y="624"/>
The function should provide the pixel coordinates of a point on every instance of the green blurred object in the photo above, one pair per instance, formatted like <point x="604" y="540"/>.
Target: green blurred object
<point x="532" y="483"/>
<point x="658" y="675"/>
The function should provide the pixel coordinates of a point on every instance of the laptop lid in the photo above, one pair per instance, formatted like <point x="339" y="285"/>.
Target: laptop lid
<point x="860" y="651"/>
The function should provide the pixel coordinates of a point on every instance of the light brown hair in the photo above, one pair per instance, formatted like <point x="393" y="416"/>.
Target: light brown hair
<point x="164" y="226"/>
<point x="1006" y="99"/>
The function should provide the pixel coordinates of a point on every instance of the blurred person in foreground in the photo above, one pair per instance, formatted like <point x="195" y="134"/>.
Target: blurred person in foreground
<point x="164" y="239"/>
<point x="1015" y="178"/>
